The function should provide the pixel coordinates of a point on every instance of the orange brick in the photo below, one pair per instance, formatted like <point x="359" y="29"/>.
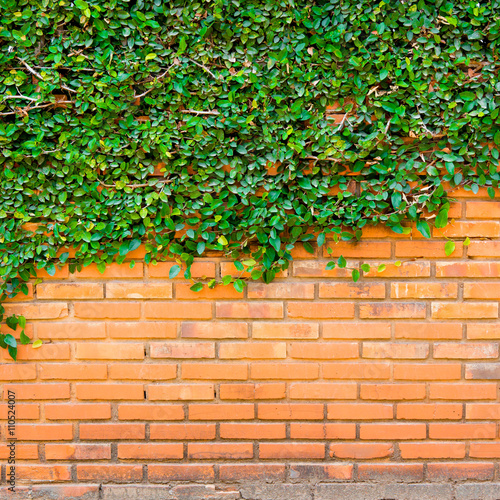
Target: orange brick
<point x="392" y="431"/>
<point x="353" y="371"/>
<point x="198" y="270"/>
<point x="410" y="371"/>
<point x="38" y="391"/>
<point x="351" y="291"/>
<point x="182" y="431"/>
<point x="214" y="371"/>
<point x="405" y="270"/>
<point x="181" y="392"/>
<point x="252" y="391"/>
<point x="228" y="268"/>
<point x="285" y="331"/>
<point x="180" y="472"/>
<point x="392" y="391"/>
<point x="23" y="411"/>
<point x="217" y="330"/>
<point x="43" y="432"/>
<point x="56" y="371"/>
<point x="221" y="411"/>
<point x="324" y="350"/>
<point x="476" y="411"/>
<point x="459" y="229"/>
<point x="78" y="411"/>
<point x="252" y="431"/>
<point x="395" y="350"/>
<point x="109" y="391"/>
<point x="17" y="372"/>
<point x="424" y="290"/>
<point x="484" y="450"/>
<point x="100" y="350"/>
<point x="150" y="451"/>
<point x="113" y="270"/>
<point x="359" y="411"/>
<point x="107" y="310"/>
<point x="254" y="350"/>
<point x="482" y="291"/>
<point x="320" y="310"/>
<point x="482" y="209"/>
<point x="50" y="352"/>
<point x="363" y="330"/>
<point x="113" y="473"/>
<point x="20" y="297"/>
<point x="59" y="274"/>
<point x="84" y="330"/>
<point x="427" y="450"/>
<point x="141" y="371"/>
<point x="484" y="249"/>
<point x="322" y="431"/>
<point x="77" y="451"/>
<point x="317" y="269"/>
<point x="56" y="310"/>
<point x="215" y="451"/>
<point x="112" y="431"/>
<point x="426" y="249"/>
<point x="178" y="310"/>
<point x="357" y="250"/>
<point x="323" y="390"/>
<point x="286" y="371"/>
<point x="138" y="290"/>
<point x="142" y="330"/>
<point x="462" y="391"/>
<point x="462" y="431"/>
<point x="53" y="473"/>
<point x="464" y="310"/>
<point x="476" y="350"/>
<point x="258" y="310"/>
<point x="69" y="291"/>
<point x="183" y="291"/>
<point x="292" y="451"/>
<point x="23" y="451"/>
<point x="320" y="472"/>
<point x="252" y="472"/>
<point x="397" y="472"/>
<point x="429" y="411"/>
<point x="431" y="331"/>
<point x="361" y="451"/>
<point x="484" y="331"/>
<point x="182" y="350"/>
<point x="150" y="412"/>
<point x="468" y="269"/>
<point x="293" y="411"/>
<point x="392" y="310"/>
<point x="281" y="291"/>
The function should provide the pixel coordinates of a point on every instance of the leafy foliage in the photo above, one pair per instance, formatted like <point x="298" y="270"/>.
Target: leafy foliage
<point x="233" y="103"/>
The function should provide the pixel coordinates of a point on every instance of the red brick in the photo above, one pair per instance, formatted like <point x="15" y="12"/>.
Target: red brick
<point x="459" y="229"/>
<point x="392" y="391"/>
<point x="353" y="371"/>
<point x="59" y="274"/>
<point x="163" y="473"/>
<point x="109" y="391"/>
<point x="49" y="352"/>
<point x="217" y="451"/>
<point x="462" y="431"/>
<point x="150" y="451"/>
<point x="482" y="210"/>
<point x="323" y="350"/>
<point x="38" y="391"/>
<point x="426" y="249"/>
<point x="281" y="291"/>
<point x="20" y="297"/>
<point x="391" y="472"/>
<point x="389" y="310"/>
<point x="56" y="371"/>
<point x="257" y="310"/>
<point x="216" y="330"/>
<point x="214" y="371"/>
<point x="468" y="270"/>
<point x="405" y="270"/>
<point x="292" y="451"/>
<point x="323" y="390"/>
<point x="23" y="411"/>
<point x="411" y="371"/>
<point x="179" y="392"/>
<point x="104" y="350"/>
<point x="362" y="330"/>
<point x="461" y="472"/>
<point x="286" y="371"/>
<point x="351" y="291"/>
<point x="427" y="450"/>
<point x="429" y="411"/>
<point x="113" y="270"/>
<point x="182" y="431"/>
<point x="252" y="472"/>
<point x="484" y="450"/>
<point x="41" y="472"/>
<point x="17" y="372"/>
<point x="112" y="473"/>
<point x="465" y="310"/>
<point x="293" y="411"/>
<point x="77" y="451"/>
<point x="357" y="250"/>
<point x="182" y="350"/>
<point x="112" y="431"/>
<point x="482" y="291"/>
<point x="142" y="330"/>
<point x="285" y="331"/>
<point x="254" y="350"/>
<point x="142" y="371"/>
<point x="78" y="411"/>
<point x="320" y="310"/>
<point x="392" y="431"/>
<point x="138" y="290"/>
<point x="320" y="472"/>
<point x="317" y="269"/>
<point x="84" y="330"/>
<point x="424" y="290"/>
<point x="322" y="431"/>
<point x="178" y="310"/>
<point x="69" y="291"/>
<point x="221" y="411"/>
<point x="252" y="391"/>
<point x="43" y="432"/>
<point x="23" y="451"/>
<point x="183" y="291"/>
<point x="252" y="431"/>
<point x="150" y="412"/>
<point x="107" y="310"/>
<point x="56" y="310"/>
<point x="198" y="270"/>
<point x="431" y="331"/>
<point x="462" y="391"/>
<point x="359" y="411"/>
<point x="484" y="249"/>
<point x="361" y="451"/>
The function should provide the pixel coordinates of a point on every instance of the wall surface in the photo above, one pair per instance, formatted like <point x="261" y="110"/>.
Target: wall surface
<point x="310" y="387"/>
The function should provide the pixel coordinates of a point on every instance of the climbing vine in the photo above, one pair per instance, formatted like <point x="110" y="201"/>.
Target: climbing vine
<point x="238" y="126"/>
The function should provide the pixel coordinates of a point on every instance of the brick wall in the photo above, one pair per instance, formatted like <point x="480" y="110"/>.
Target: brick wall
<point x="310" y="379"/>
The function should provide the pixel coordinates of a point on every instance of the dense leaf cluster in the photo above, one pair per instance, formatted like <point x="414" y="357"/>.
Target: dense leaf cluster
<point x="228" y="101"/>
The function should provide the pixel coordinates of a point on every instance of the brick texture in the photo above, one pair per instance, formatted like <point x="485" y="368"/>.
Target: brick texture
<point x="140" y="380"/>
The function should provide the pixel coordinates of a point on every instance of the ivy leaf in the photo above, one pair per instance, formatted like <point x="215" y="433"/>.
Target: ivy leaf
<point x="381" y="268"/>
<point x="355" y="275"/>
<point x="331" y="265"/>
<point x="174" y="271"/>
<point x="341" y="262"/>
<point x="10" y="340"/>
<point x="37" y="344"/>
<point x="239" y="285"/>
<point x="466" y="242"/>
<point x="365" y="268"/>
<point x="12" y="352"/>
<point x="197" y="287"/>
<point x="449" y="248"/>
<point x="24" y="339"/>
<point x="424" y="228"/>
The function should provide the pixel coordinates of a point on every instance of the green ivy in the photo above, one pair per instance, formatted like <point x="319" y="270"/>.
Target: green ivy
<point x="97" y="96"/>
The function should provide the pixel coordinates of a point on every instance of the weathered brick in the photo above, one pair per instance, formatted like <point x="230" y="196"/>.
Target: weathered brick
<point x="216" y="330"/>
